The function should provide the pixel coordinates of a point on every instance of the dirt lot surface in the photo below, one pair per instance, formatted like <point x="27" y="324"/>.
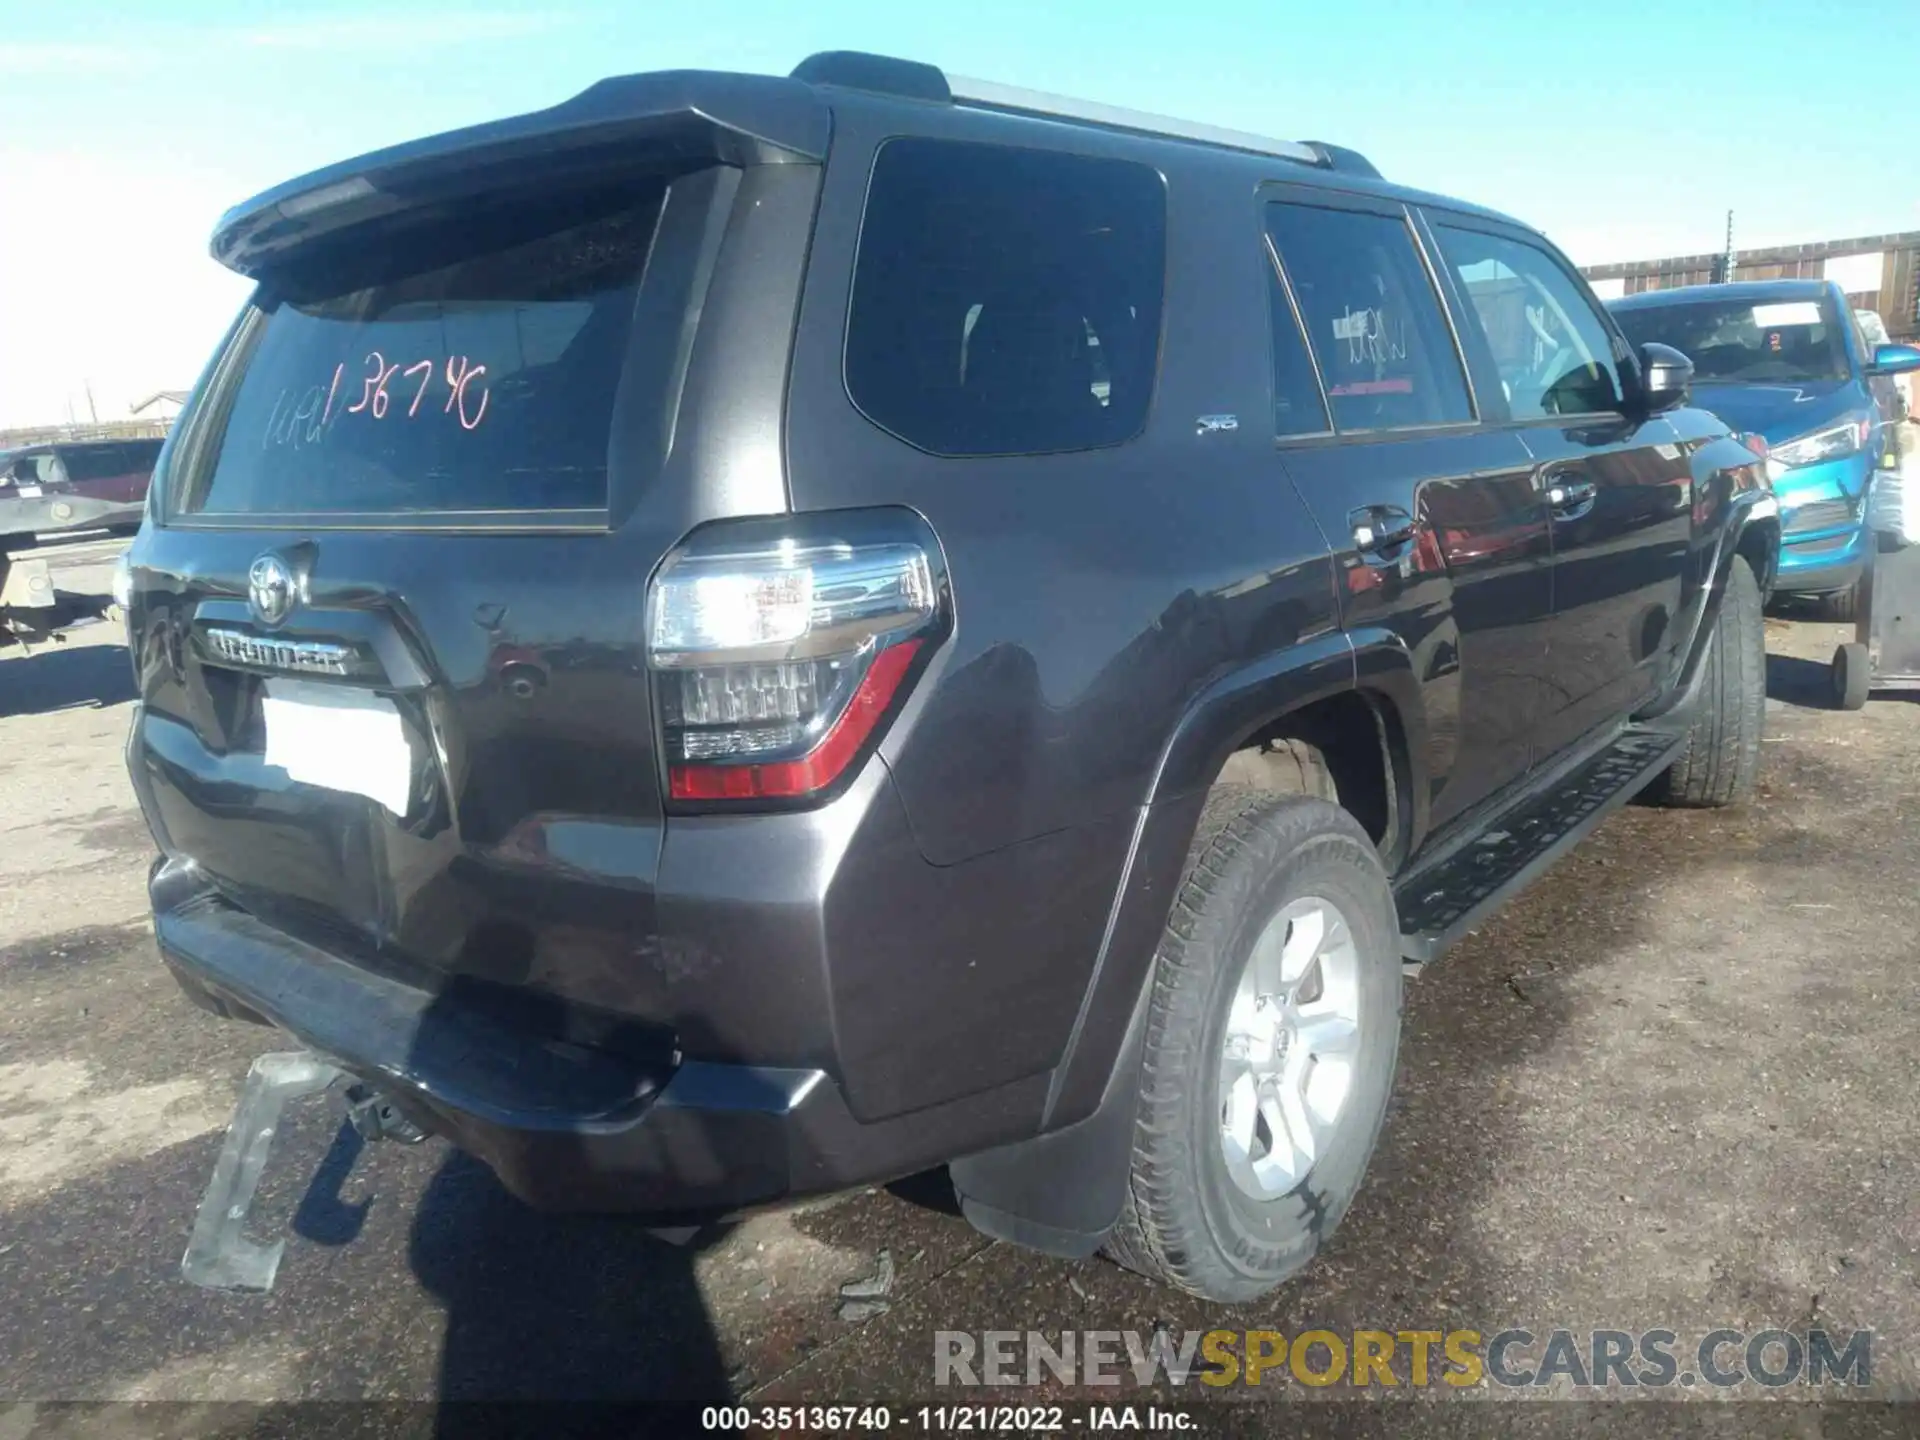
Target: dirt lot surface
<point x="1676" y="1086"/>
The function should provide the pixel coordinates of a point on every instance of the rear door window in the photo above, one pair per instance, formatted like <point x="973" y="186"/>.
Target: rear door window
<point x="466" y="368"/>
<point x="1386" y="354"/>
<point x="1006" y="301"/>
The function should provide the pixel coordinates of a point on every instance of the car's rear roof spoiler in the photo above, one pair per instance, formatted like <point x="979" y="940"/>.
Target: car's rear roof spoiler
<point x="684" y="115"/>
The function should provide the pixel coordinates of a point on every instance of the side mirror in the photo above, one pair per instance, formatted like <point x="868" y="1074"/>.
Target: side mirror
<point x="1666" y="377"/>
<point x="1894" y="360"/>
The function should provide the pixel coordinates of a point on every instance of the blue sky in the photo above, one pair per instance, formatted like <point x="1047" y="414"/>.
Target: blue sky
<point x="1623" y="130"/>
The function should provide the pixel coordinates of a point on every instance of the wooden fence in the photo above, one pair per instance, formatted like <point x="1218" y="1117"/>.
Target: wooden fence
<point x="1894" y="291"/>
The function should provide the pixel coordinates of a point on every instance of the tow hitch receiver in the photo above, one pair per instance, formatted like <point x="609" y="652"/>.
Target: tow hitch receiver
<point x="374" y="1118"/>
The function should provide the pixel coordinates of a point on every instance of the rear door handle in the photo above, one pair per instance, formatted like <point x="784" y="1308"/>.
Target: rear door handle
<point x="1380" y="530"/>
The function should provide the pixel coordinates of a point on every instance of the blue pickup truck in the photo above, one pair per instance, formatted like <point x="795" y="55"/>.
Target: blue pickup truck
<point x="1784" y="360"/>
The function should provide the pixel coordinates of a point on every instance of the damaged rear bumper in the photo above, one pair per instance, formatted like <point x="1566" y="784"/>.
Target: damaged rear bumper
<point x="565" y="1127"/>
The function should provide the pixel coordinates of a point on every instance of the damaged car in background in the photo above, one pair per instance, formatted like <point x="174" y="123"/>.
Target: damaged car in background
<point x="55" y="489"/>
<point x="63" y="487"/>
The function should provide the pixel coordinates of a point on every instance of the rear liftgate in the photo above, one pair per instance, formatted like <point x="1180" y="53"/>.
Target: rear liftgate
<point x="713" y="126"/>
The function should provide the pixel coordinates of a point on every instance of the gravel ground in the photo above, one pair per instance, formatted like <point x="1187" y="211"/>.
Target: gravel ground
<point x="1677" y="1085"/>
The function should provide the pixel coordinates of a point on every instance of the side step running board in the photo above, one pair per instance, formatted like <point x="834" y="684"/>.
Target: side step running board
<point x="1443" y="901"/>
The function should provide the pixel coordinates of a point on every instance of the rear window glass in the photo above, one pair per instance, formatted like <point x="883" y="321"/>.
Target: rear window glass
<point x="1372" y="317"/>
<point x="458" y="370"/>
<point x="1006" y="301"/>
<point x="1744" y="342"/>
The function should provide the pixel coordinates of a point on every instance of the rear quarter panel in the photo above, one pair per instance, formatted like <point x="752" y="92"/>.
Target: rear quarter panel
<point x="1096" y="596"/>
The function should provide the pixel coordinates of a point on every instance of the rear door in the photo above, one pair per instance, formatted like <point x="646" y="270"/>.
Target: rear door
<point x="1440" y="535"/>
<point x="389" y="629"/>
<point x="1618" y="489"/>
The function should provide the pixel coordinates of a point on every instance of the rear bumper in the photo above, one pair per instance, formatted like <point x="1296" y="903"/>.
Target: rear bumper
<point x="565" y="1127"/>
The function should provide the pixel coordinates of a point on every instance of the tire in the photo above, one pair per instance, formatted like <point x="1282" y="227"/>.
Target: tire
<point x="1852" y="677"/>
<point x="1842" y="606"/>
<point x="1186" y="1220"/>
<point x="1719" y="761"/>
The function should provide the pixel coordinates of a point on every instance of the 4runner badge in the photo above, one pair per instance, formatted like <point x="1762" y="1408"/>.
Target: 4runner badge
<point x="303" y="657"/>
<point x="271" y="590"/>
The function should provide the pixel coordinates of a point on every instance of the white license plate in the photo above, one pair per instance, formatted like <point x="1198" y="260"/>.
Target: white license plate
<point x="339" y="738"/>
<point x="28" y="492"/>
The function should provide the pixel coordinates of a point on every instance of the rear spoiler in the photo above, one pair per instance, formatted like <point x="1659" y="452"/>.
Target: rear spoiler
<point x="684" y="116"/>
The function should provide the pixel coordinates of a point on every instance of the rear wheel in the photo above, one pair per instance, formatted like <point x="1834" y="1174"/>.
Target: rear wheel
<point x="1272" y="1036"/>
<point x="1719" y="761"/>
<point x="1851" y="678"/>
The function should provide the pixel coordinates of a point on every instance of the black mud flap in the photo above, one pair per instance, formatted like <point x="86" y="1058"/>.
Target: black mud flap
<point x="1061" y="1192"/>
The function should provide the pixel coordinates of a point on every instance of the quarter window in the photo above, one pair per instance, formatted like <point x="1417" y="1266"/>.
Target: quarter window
<point x="1549" y="347"/>
<point x="1006" y="301"/>
<point x="1298" y="408"/>
<point x="1372" y="317"/>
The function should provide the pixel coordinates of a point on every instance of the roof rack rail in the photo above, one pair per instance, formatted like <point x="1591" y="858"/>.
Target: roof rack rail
<point x="987" y="95"/>
<point x="914" y="80"/>
<point x="1344" y="161"/>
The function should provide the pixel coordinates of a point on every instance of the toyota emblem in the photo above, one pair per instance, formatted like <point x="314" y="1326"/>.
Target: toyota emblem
<point x="271" y="590"/>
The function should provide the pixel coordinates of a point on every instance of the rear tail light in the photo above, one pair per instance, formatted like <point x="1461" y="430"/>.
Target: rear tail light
<point x="778" y="653"/>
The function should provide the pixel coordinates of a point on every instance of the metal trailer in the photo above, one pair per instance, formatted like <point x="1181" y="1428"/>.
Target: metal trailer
<point x="32" y="609"/>
<point x="1885" y="651"/>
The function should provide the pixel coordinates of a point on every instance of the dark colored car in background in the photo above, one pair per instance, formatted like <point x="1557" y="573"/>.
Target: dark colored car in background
<point x="1786" y="361"/>
<point x="74" y="485"/>
<point x="666" y="647"/>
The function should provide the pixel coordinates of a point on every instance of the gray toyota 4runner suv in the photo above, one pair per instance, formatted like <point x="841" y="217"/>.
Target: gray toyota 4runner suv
<point x="743" y="635"/>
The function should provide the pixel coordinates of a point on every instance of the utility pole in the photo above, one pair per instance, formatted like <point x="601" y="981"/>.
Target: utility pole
<point x="1726" y="263"/>
<point x="92" y="412"/>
